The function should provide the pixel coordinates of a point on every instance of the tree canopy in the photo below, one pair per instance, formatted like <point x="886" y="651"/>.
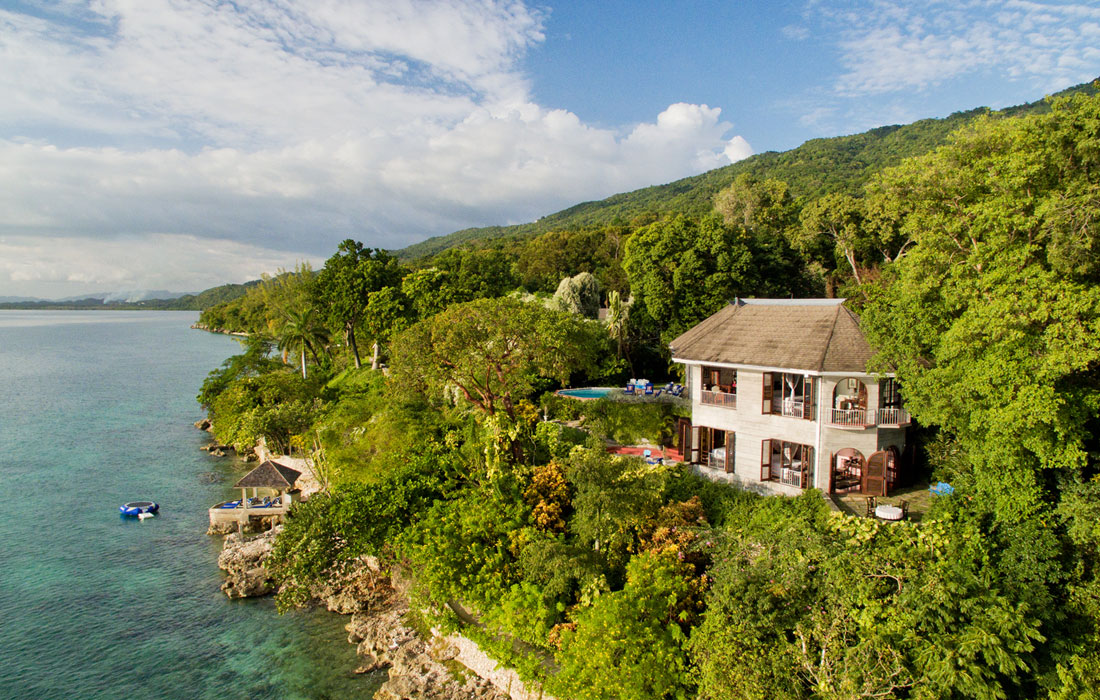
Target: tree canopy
<point x="345" y="284"/>
<point x="492" y="350"/>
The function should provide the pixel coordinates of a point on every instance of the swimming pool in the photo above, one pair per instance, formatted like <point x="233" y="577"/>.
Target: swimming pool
<point x="592" y="392"/>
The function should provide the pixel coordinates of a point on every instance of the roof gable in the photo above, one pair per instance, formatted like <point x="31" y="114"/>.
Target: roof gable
<point x="815" y="335"/>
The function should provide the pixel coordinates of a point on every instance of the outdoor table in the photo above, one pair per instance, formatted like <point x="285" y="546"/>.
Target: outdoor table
<point x="885" y="512"/>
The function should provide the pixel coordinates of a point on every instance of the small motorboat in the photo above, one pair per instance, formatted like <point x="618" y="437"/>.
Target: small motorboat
<point x="137" y="509"/>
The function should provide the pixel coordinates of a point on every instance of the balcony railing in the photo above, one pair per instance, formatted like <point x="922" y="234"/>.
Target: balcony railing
<point x="850" y="417"/>
<point x="792" y="408"/>
<point x="718" y="398"/>
<point x="787" y="475"/>
<point x="893" y="417"/>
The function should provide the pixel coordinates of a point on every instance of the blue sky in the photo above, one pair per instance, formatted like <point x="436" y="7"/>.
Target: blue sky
<point x="180" y="144"/>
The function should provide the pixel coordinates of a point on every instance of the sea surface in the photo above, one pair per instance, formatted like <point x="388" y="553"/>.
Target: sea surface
<point x="96" y="409"/>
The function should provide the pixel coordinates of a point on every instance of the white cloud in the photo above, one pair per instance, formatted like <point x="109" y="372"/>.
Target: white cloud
<point x="898" y="45"/>
<point x="290" y="126"/>
<point x="71" y="265"/>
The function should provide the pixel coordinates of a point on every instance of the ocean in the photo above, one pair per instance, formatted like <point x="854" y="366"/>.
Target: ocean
<point x="96" y="409"/>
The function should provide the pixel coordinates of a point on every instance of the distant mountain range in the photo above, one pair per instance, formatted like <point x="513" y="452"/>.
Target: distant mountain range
<point x="140" y="299"/>
<point x="817" y="167"/>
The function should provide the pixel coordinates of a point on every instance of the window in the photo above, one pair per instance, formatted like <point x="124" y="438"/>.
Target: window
<point x="789" y="463"/>
<point x="789" y="394"/>
<point x="889" y="394"/>
<point x="719" y="387"/>
<point x="716" y="448"/>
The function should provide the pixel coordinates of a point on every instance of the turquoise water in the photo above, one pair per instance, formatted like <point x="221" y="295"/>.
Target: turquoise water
<point x="96" y="408"/>
<point x="589" y="393"/>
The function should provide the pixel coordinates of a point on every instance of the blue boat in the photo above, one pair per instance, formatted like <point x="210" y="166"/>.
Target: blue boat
<point x="137" y="508"/>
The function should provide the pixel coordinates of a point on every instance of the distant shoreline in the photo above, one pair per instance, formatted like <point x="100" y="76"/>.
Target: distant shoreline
<point x="151" y="305"/>
<point x="203" y="327"/>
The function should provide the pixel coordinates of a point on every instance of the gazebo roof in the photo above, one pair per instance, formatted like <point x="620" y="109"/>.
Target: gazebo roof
<point x="269" y="475"/>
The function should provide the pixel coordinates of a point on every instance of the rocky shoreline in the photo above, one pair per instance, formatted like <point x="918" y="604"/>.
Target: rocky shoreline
<point x="420" y="665"/>
<point x="203" y="327"/>
<point x="379" y="607"/>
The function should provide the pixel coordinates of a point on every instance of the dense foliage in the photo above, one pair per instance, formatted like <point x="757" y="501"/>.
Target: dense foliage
<point x="974" y="268"/>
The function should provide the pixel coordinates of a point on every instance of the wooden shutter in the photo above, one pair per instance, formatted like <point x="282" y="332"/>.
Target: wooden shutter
<point x="683" y="437"/>
<point x="767" y="408"/>
<point x="807" y="465"/>
<point x="704" y="445"/>
<point x="809" y="401"/>
<point x="832" y="472"/>
<point x="730" y="437"/>
<point x="693" y="452"/>
<point x="766" y="460"/>
<point x="874" y="475"/>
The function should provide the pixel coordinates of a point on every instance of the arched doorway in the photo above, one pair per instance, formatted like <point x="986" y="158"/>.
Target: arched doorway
<point x="847" y="470"/>
<point x="881" y="472"/>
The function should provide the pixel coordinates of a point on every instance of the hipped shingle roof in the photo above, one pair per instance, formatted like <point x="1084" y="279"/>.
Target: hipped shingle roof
<point x="269" y="475"/>
<point x="816" y="335"/>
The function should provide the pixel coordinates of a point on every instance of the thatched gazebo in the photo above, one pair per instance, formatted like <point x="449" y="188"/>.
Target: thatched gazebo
<point x="269" y="475"/>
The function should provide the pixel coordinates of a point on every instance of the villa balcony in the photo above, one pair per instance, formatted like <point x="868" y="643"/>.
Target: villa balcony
<point x="718" y="398"/>
<point x="791" y="408"/>
<point x="893" y="418"/>
<point x="860" y="418"/>
<point x="855" y="418"/>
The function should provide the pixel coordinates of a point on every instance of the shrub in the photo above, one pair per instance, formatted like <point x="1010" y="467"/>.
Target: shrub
<point x="630" y="645"/>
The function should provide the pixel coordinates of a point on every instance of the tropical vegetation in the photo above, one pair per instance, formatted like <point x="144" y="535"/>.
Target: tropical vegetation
<point x="973" y="267"/>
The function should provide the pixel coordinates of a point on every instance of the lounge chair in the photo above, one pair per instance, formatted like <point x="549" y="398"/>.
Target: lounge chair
<point x="677" y="390"/>
<point x="649" y="389"/>
<point x="629" y="389"/>
<point x="230" y="504"/>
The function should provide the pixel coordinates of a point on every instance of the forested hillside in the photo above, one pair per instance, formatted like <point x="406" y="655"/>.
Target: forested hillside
<point x="821" y="166"/>
<point x="975" y="273"/>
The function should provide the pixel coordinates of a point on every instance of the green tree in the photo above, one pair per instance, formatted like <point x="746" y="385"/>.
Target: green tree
<point x="991" y="317"/>
<point x="284" y="291"/>
<point x="614" y="499"/>
<point x="346" y="282"/>
<point x="301" y="330"/>
<point x="387" y="312"/>
<point x="831" y="232"/>
<point x="762" y="207"/>
<point x="477" y="273"/>
<point x="492" y="350"/>
<point x="429" y="290"/>
<point x="682" y="271"/>
<point x="618" y="321"/>
<point x="630" y="644"/>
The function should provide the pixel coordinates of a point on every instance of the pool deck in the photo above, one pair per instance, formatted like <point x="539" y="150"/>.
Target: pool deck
<point x="639" y="451"/>
<point x="605" y="389"/>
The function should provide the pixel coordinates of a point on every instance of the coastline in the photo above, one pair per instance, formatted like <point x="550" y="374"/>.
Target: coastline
<point x="203" y="327"/>
<point x="420" y="663"/>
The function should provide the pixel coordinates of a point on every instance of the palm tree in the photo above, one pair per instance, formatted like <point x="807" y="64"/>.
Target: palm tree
<point x="617" y="315"/>
<point x="302" y="332"/>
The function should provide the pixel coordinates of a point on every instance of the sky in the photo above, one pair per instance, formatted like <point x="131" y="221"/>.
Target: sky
<point x="182" y="144"/>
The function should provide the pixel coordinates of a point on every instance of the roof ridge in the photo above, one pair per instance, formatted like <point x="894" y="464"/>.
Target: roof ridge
<point x="829" y="340"/>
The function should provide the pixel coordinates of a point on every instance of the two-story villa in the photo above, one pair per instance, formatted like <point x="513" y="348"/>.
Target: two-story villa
<point x="781" y="400"/>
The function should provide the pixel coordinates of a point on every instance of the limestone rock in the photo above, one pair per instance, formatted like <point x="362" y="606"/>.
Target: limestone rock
<point x="204" y="424"/>
<point x="243" y="562"/>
